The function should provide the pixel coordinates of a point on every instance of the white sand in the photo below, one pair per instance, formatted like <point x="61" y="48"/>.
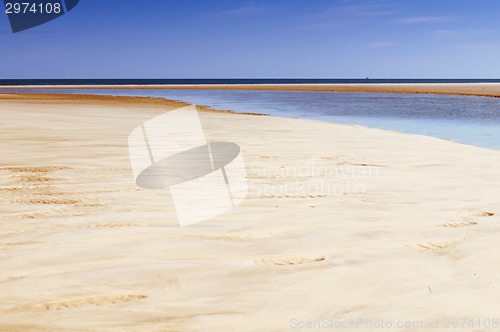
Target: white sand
<point x="406" y="233"/>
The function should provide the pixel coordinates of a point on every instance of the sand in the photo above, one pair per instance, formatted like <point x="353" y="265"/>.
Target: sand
<point x="472" y="89"/>
<point x="342" y="222"/>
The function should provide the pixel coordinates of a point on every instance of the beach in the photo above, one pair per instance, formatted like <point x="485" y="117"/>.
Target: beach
<point x="341" y="223"/>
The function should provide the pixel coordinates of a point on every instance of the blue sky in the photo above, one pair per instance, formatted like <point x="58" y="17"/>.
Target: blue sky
<point x="260" y="39"/>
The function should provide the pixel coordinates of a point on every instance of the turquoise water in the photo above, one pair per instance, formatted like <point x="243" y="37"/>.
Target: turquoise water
<point x="466" y="119"/>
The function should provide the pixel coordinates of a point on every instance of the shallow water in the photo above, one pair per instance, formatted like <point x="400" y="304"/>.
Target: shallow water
<point x="466" y="119"/>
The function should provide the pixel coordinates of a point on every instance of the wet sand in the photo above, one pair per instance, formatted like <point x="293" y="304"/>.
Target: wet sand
<point x="472" y="89"/>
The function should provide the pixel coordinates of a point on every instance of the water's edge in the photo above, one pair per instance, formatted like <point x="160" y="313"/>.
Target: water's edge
<point x="464" y="119"/>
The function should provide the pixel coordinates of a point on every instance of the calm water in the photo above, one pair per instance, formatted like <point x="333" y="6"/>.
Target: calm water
<point x="14" y="82"/>
<point x="466" y="119"/>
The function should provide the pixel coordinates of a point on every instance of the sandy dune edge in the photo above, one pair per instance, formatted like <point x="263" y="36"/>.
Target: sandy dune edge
<point x="341" y="222"/>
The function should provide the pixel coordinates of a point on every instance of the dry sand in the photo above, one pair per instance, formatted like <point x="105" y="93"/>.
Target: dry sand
<point x="341" y="222"/>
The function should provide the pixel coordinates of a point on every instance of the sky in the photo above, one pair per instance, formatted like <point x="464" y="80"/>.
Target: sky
<point x="259" y="39"/>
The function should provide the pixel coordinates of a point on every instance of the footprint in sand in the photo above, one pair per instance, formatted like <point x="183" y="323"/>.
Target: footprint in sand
<point x="287" y="261"/>
<point x="436" y="245"/>
<point x="88" y="301"/>
<point x="458" y="224"/>
<point x="482" y="214"/>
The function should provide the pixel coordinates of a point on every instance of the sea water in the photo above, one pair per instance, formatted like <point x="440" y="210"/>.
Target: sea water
<point x="466" y="119"/>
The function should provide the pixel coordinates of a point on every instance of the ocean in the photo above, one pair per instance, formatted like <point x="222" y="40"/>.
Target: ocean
<point x="14" y="82"/>
<point x="466" y="119"/>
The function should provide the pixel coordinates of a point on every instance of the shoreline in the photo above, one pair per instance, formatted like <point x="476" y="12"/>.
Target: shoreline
<point x="126" y="101"/>
<point x="468" y="89"/>
<point x="160" y="102"/>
